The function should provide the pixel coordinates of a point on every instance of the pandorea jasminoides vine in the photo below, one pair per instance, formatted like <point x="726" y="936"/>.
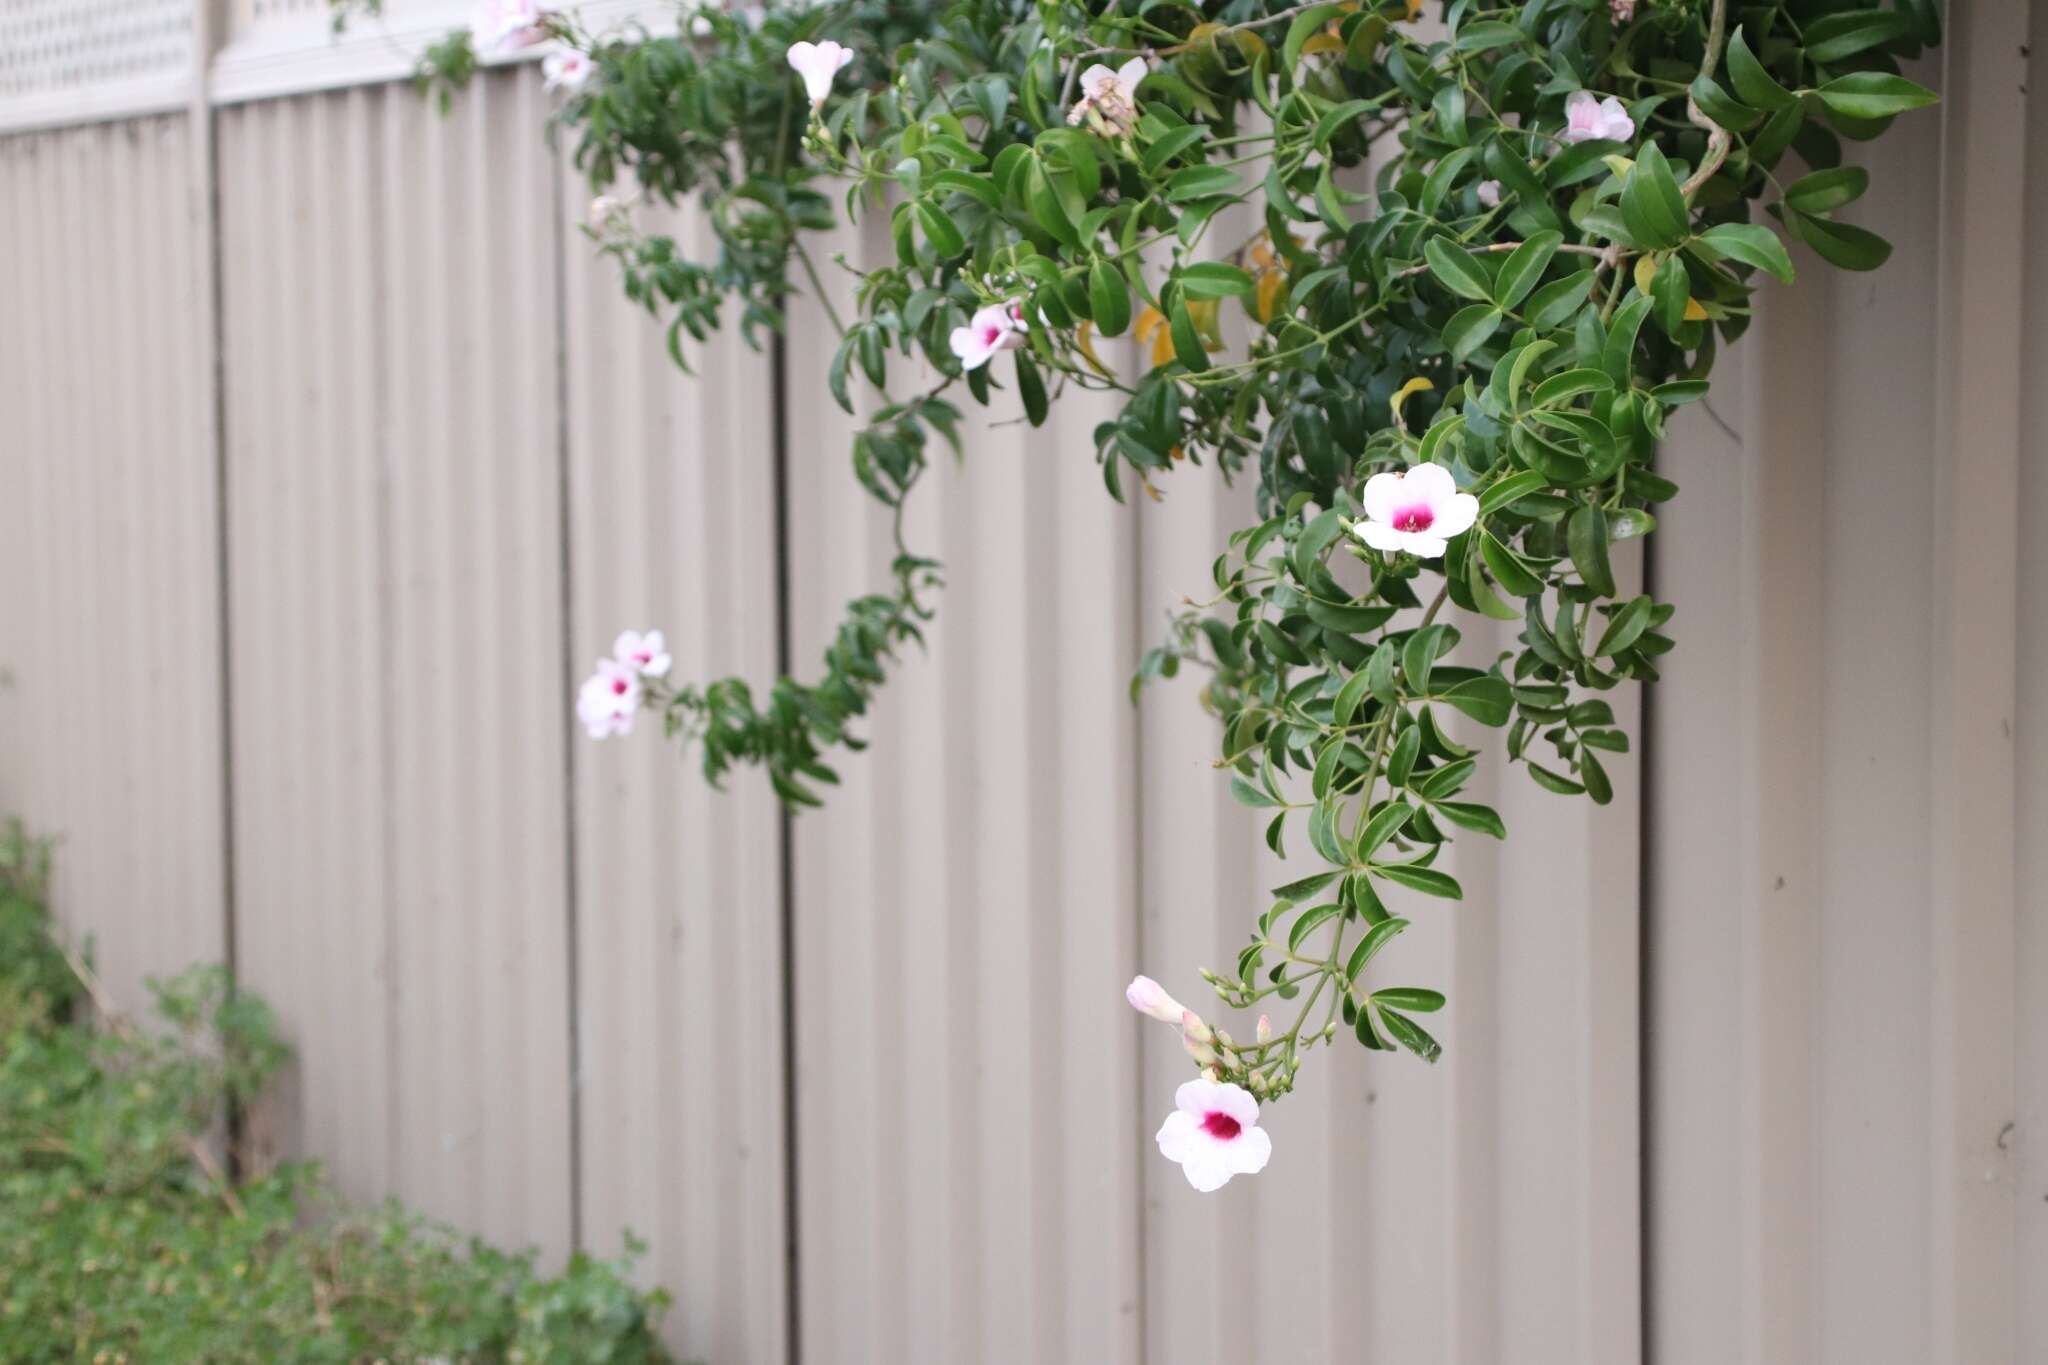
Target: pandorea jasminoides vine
<point x="1434" y="282"/>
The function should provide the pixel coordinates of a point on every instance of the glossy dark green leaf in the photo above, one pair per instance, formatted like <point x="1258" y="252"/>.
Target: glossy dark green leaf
<point x="1586" y="538"/>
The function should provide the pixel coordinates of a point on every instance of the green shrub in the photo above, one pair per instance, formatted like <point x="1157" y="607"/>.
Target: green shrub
<point x="120" y="1240"/>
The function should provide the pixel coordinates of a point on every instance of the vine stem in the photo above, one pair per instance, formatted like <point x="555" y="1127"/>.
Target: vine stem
<point x="1718" y="138"/>
<point x="1575" y="248"/>
<point x="1207" y="37"/>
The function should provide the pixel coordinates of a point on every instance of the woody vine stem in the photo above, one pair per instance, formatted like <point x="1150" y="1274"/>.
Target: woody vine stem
<point x="1433" y="282"/>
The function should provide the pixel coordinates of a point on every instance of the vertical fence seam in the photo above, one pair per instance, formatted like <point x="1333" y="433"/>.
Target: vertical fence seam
<point x="779" y="483"/>
<point x="565" y="606"/>
<point x="1646" y="863"/>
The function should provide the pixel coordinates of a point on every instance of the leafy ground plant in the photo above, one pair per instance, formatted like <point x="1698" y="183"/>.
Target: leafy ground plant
<point x="121" y="1240"/>
<point x="1433" y="277"/>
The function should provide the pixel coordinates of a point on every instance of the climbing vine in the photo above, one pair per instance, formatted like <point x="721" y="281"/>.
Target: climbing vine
<point x="1433" y="279"/>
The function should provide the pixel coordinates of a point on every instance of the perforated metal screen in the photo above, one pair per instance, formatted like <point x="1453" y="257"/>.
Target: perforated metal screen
<point x="48" y="46"/>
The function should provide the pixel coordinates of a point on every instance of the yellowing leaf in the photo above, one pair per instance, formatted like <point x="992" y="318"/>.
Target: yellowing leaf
<point x="1401" y="395"/>
<point x="1177" y="453"/>
<point x="1267" y="298"/>
<point x="1084" y="342"/>
<point x="1323" y="44"/>
<point x="1646" y="270"/>
<point x="1150" y="320"/>
<point x="1206" y="314"/>
<point x="1693" y="311"/>
<point x="1414" y="11"/>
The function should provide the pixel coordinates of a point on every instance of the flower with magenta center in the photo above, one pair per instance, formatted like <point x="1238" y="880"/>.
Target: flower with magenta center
<point x="568" y="68"/>
<point x="609" y="700"/>
<point x="998" y="327"/>
<point x="1587" y="116"/>
<point x="818" y="63"/>
<point x="1214" y="1133"/>
<point x="646" y="655"/>
<point x="1417" y="510"/>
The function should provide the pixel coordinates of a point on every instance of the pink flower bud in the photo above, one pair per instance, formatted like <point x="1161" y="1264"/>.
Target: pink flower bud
<point x="1265" y="1029"/>
<point x="1149" y="997"/>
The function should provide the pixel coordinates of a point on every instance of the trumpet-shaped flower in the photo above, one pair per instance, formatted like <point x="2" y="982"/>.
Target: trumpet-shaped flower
<point x="1587" y="116"/>
<point x="1489" y="194"/>
<point x="1214" y="1133"/>
<point x="1110" y="95"/>
<point x="508" y="25"/>
<point x="998" y="327"/>
<point x="609" y="700"/>
<point x="1418" y="510"/>
<point x="646" y="655"/>
<point x="1149" y="997"/>
<point x="568" y="68"/>
<point x="818" y="63"/>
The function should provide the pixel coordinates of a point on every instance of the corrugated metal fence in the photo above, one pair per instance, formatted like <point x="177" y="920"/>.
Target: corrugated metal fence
<point x="1751" y="1066"/>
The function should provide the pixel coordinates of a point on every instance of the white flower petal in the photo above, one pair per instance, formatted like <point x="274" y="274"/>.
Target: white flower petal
<point x="1131" y="72"/>
<point x="1178" y="1135"/>
<point x="1249" y="1154"/>
<point x="1381" y="496"/>
<point x="1092" y="79"/>
<point x="1455" y="515"/>
<point x="1424" y="545"/>
<point x="1379" y="535"/>
<point x="1207" y="1166"/>
<point x="1430" y="483"/>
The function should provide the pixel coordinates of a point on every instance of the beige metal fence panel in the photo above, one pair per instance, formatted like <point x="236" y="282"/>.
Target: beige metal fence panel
<point x="964" y="905"/>
<point x="110" y="657"/>
<point x="444" y="336"/>
<point x="309" y="596"/>
<point x="678" y="887"/>
<point x="1835" y="1166"/>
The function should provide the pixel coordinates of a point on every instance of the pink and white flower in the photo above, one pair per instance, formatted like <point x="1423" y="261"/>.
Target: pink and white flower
<point x="1214" y="1134"/>
<point x="818" y="63"/>
<point x="568" y="68"/>
<point x="1149" y="997"/>
<point x="1110" y="95"/>
<point x="1489" y="194"/>
<point x="609" y="700"/>
<point x="508" y="25"/>
<point x="998" y="327"/>
<point x="1418" y="510"/>
<point x="646" y="655"/>
<point x="1587" y="116"/>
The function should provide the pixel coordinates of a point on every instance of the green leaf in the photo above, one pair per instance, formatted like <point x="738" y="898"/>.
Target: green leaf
<point x="1469" y="329"/>
<point x="1199" y="182"/>
<point x="1457" y="270"/>
<point x="1511" y="489"/>
<point x="1348" y="698"/>
<point x="1754" y="85"/>
<point x="1651" y="203"/>
<point x="1524" y="267"/>
<point x="1752" y="244"/>
<point x="1619" y="357"/>
<point x="1375" y="939"/>
<point x="1308" y="922"/>
<point x="1624" y="627"/>
<point x="1305" y="26"/>
<point x="1514" y="577"/>
<point x="940" y="230"/>
<point x="1335" y="120"/>
<point x="1558" y="300"/>
<point x="1306" y="887"/>
<point x="1410" y="1035"/>
<point x="1829" y="189"/>
<point x="1249" y="795"/>
<point x="1170" y="144"/>
<point x="1469" y="815"/>
<point x="1417" y="998"/>
<point x="1383" y="827"/>
<point x="1109" y="299"/>
<point x="1556" y="782"/>
<point x="1401" y="759"/>
<point x="1874" y="94"/>
<point x="1834" y="36"/>
<point x="1595" y="777"/>
<point x="1214" y="280"/>
<point x="1562" y="388"/>
<point x="1427" y="880"/>
<point x="1586" y="538"/>
<point x="1031" y="388"/>
<point x="1841" y="244"/>
<point x="1720" y="106"/>
<point x="1419" y="654"/>
<point x="1187" y="342"/>
<point x="1487" y="700"/>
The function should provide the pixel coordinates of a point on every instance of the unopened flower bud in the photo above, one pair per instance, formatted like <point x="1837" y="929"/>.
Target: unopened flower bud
<point x="1265" y="1029"/>
<point x="1148" y="997"/>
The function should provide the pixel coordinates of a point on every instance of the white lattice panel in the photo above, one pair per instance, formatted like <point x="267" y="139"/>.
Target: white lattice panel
<point x="51" y="46"/>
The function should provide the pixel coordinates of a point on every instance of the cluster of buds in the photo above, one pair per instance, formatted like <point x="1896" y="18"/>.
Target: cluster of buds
<point x="1218" y="1056"/>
